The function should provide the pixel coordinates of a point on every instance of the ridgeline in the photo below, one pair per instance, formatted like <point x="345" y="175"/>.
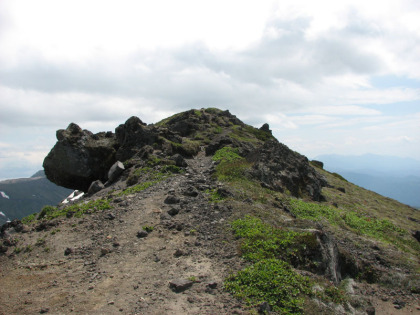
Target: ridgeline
<point x="203" y="214"/>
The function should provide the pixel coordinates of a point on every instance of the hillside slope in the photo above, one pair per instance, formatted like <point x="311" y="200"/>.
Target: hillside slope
<point x="222" y="220"/>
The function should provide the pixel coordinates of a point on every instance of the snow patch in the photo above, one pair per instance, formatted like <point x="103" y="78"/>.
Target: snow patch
<point x="73" y="196"/>
<point x="3" y="194"/>
<point x="4" y="216"/>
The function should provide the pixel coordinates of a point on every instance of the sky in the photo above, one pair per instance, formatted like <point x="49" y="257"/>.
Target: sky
<point x="330" y="77"/>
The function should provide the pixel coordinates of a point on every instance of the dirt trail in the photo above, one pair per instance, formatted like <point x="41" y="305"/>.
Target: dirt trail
<point x="112" y="271"/>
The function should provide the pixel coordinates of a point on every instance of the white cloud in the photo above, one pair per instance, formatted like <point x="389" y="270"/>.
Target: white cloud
<point x="305" y="67"/>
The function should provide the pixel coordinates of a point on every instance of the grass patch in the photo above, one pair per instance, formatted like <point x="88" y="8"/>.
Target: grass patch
<point x="355" y="221"/>
<point x="78" y="210"/>
<point x="137" y="188"/>
<point x="262" y="241"/>
<point x="214" y="195"/>
<point x="30" y="218"/>
<point x="271" y="278"/>
<point x="232" y="169"/>
<point x="226" y="155"/>
<point x="272" y="281"/>
<point x="151" y="176"/>
<point x="231" y="165"/>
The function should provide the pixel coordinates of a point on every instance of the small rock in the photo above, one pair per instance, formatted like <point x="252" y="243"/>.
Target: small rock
<point x="173" y="211"/>
<point x="115" y="171"/>
<point x="142" y="234"/>
<point x="96" y="186"/>
<point x="179" y="160"/>
<point x="398" y="304"/>
<point x="342" y="189"/>
<point x="191" y="192"/>
<point x="172" y="200"/>
<point x="370" y="310"/>
<point x="110" y="216"/>
<point x="212" y="285"/>
<point x="105" y="251"/>
<point x="179" y="253"/>
<point x="165" y="216"/>
<point x="111" y="303"/>
<point x="179" y="285"/>
<point x="44" y="310"/>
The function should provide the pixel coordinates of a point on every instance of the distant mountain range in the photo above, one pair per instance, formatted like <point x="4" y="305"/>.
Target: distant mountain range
<point x="23" y="196"/>
<point x="394" y="177"/>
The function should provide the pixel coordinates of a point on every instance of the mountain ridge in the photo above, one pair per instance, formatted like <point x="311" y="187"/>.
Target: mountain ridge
<point x="204" y="222"/>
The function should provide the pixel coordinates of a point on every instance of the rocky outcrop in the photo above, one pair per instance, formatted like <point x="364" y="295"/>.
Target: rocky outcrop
<point x="280" y="168"/>
<point x="132" y="136"/>
<point x="80" y="157"/>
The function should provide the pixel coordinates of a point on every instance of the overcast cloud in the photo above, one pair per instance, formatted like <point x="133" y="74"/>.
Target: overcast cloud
<point x="329" y="77"/>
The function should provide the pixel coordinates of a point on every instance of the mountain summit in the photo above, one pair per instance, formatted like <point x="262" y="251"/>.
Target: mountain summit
<point x="203" y="214"/>
<point x="80" y="157"/>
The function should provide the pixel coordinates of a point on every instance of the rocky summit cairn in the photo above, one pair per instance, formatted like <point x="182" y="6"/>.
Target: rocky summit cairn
<point x="81" y="157"/>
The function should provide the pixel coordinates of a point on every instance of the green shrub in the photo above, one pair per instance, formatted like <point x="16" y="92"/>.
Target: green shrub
<point x="262" y="241"/>
<point x="214" y="195"/>
<point x="30" y="218"/>
<point x="272" y="281"/>
<point x="46" y="211"/>
<point x="148" y="228"/>
<point x="227" y="154"/>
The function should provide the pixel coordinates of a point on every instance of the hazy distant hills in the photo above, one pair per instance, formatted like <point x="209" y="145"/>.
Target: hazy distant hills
<point x="23" y="196"/>
<point x="394" y="177"/>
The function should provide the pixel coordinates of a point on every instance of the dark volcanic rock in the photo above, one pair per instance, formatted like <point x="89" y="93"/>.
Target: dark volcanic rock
<point x="318" y="164"/>
<point x="96" y="186"/>
<point x="80" y="157"/>
<point x="278" y="167"/>
<point x="132" y="136"/>
<point x="116" y="169"/>
<point x="179" y="285"/>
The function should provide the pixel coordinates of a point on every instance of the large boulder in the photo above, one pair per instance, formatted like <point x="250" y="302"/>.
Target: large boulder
<point x="80" y="157"/>
<point x="280" y="168"/>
